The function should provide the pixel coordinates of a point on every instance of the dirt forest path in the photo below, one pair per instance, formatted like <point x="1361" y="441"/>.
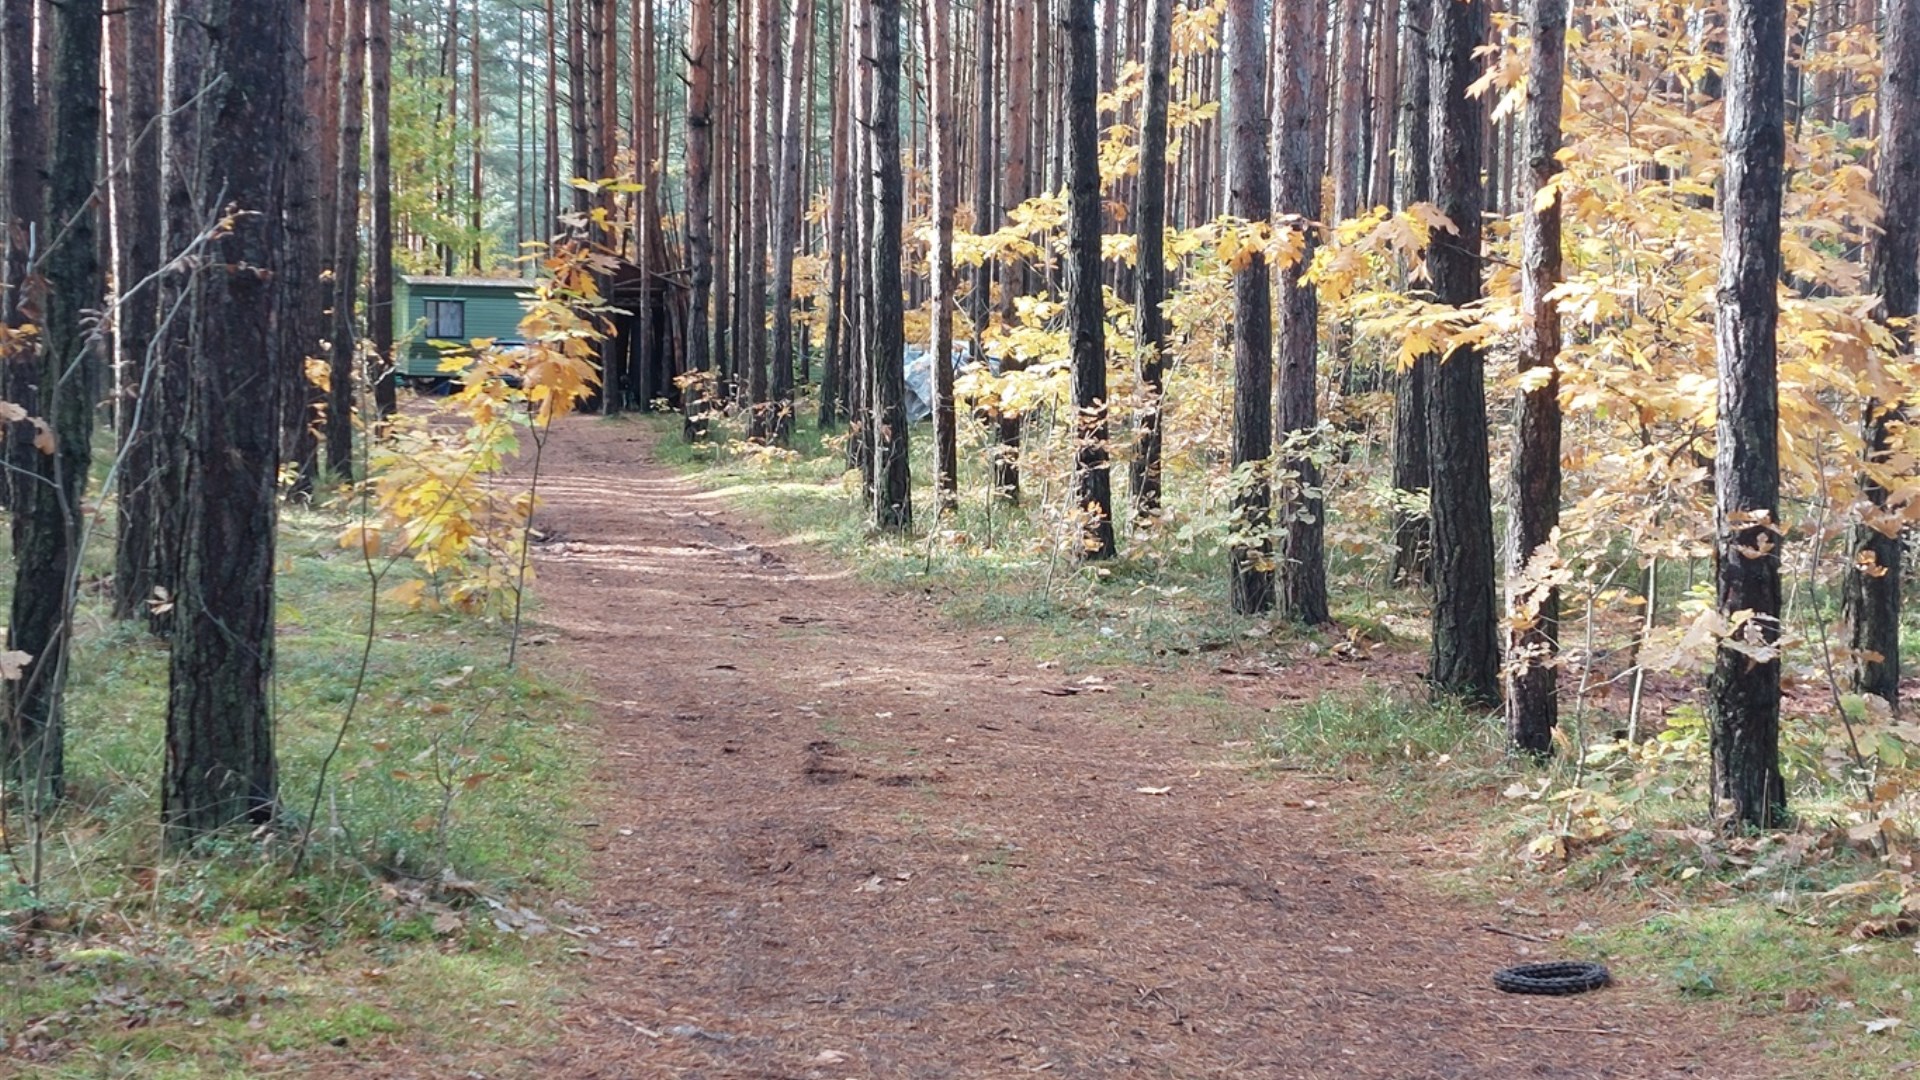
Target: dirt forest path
<point x="844" y="839"/>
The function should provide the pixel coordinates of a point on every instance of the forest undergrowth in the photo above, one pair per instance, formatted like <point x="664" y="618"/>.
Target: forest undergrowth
<point x="1607" y="850"/>
<point x="422" y="913"/>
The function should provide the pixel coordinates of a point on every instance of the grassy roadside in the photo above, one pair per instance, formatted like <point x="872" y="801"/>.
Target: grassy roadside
<point x="439" y="839"/>
<point x="988" y="562"/>
<point x="1802" y="935"/>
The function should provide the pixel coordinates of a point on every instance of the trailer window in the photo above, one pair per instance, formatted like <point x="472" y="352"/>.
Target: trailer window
<point x="447" y="319"/>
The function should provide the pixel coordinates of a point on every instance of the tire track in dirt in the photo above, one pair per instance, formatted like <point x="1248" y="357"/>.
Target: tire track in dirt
<point x="844" y="839"/>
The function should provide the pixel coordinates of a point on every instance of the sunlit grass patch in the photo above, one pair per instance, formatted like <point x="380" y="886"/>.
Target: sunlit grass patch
<point x="1380" y="729"/>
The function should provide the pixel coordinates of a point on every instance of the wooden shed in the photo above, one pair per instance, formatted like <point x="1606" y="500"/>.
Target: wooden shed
<point x="430" y="309"/>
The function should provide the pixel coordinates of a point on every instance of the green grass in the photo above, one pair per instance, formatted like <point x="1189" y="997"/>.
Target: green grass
<point x="1378" y="731"/>
<point x="453" y="782"/>
<point x="1823" y="988"/>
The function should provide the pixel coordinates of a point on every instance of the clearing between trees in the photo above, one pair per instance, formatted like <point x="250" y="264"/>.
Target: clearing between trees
<point x="841" y="837"/>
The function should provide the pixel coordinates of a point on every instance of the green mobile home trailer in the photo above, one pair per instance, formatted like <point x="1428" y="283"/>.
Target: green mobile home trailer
<point x="460" y="309"/>
<point x="430" y="309"/>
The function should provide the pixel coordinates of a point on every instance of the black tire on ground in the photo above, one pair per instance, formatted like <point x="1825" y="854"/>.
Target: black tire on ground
<point x="1557" y="978"/>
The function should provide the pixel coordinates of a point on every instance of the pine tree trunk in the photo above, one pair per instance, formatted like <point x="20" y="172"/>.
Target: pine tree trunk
<point x="1250" y="552"/>
<point x="1045" y="168"/>
<point x="476" y="124"/>
<point x="581" y="158"/>
<point x="860" y="448"/>
<point x="725" y="169"/>
<point x="48" y="515"/>
<point x="1533" y="499"/>
<point x="786" y="230"/>
<point x="137" y="248"/>
<point x="522" y="227"/>
<point x="702" y="54"/>
<point x="1873" y="595"/>
<point x="310" y="224"/>
<point x="1743" y="693"/>
<point x="185" y="220"/>
<point x="1299" y="70"/>
<point x="220" y="756"/>
<point x="25" y="162"/>
<point x="1150" y="224"/>
<point x="1466" y="656"/>
<point x="1086" y="301"/>
<point x="325" y="44"/>
<point x="892" y="488"/>
<point x="753" y="301"/>
<point x="1412" y="474"/>
<point x="1350" y="113"/>
<point x="986" y="156"/>
<point x="645" y="354"/>
<point x="1386" y="99"/>
<point x="554" y="180"/>
<point x="303" y="302"/>
<point x="809" y="163"/>
<point x="946" y="444"/>
<point x="835" y="368"/>
<point x="606" y="97"/>
<point x="344" y="337"/>
<point x="380" y="190"/>
<point x="1015" y="276"/>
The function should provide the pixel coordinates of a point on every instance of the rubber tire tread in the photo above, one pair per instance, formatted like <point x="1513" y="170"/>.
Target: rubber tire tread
<point x="1556" y="979"/>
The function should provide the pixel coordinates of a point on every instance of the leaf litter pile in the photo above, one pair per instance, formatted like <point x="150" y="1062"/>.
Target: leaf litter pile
<point x="843" y="838"/>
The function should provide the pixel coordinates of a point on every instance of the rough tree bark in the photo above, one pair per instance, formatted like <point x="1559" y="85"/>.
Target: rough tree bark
<point x="754" y="300"/>
<point x="786" y="228"/>
<point x="476" y="124"/>
<point x="946" y="453"/>
<point x="1350" y="112"/>
<point x="725" y="166"/>
<point x="641" y="362"/>
<point x="1150" y="218"/>
<point x="580" y="159"/>
<point x="860" y="447"/>
<point x="1300" y="66"/>
<point x="554" y="180"/>
<point x="1086" y="300"/>
<point x="892" y="488"/>
<point x="701" y="57"/>
<point x="1412" y="536"/>
<point x="137" y="206"/>
<point x="48" y="515"/>
<point x="1386" y="99"/>
<point x="310" y="198"/>
<point x="986" y="156"/>
<point x="302" y="312"/>
<point x="25" y="163"/>
<point x="220" y="769"/>
<point x="1533" y="500"/>
<point x="185" y="218"/>
<point x="1874" y="577"/>
<point x="1250" y="553"/>
<point x="1466" y="654"/>
<point x="380" y="190"/>
<point x="836" y="367"/>
<point x="1743" y="693"/>
<point x="1018" y="189"/>
<point x="344" y="337"/>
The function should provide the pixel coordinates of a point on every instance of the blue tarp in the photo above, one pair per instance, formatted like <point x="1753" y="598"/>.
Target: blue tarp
<point x="920" y="378"/>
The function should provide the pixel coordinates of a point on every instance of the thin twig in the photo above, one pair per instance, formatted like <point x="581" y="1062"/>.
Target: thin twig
<point x="1504" y="932"/>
